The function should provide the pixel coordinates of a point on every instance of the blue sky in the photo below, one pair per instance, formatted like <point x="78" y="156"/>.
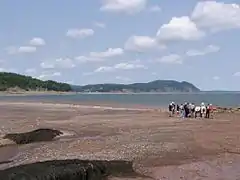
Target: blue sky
<point x="123" y="41"/>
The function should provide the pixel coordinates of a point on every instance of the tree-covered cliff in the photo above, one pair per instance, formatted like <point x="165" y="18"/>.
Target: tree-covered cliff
<point x="153" y="86"/>
<point x="13" y="80"/>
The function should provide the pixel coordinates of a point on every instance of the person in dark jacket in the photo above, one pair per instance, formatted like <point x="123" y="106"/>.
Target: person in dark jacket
<point x="173" y="108"/>
<point x="208" y="111"/>
<point x="170" y="109"/>
<point x="178" y="109"/>
<point x="185" y="107"/>
<point x="188" y="110"/>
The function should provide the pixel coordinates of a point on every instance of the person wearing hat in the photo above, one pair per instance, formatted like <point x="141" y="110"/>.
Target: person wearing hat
<point x="203" y="110"/>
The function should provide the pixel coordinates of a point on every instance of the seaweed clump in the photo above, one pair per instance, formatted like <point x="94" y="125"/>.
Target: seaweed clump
<point x="70" y="170"/>
<point x="38" y="135"/>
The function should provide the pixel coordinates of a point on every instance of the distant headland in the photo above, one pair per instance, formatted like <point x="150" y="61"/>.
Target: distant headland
<point x="149" y="87"/>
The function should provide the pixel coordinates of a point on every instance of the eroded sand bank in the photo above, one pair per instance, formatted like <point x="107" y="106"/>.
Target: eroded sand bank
<point x="161" y="147"/>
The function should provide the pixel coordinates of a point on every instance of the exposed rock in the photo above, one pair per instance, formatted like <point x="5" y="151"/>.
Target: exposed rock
<point x="227" y="110"/>
<point x="71" y="170"/>
<point x="33" y="136"/>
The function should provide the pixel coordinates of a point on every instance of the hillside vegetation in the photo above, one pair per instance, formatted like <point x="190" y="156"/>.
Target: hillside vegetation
<point x="10" y="81"/>
<point x="154" y="86"/>
<point x="27" y="83"/>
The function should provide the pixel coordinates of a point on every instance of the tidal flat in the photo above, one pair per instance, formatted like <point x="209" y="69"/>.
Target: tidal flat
<point x="158" y="146"/>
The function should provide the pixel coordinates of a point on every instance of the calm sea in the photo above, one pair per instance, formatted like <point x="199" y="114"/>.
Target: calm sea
<point x="158" y="100"/>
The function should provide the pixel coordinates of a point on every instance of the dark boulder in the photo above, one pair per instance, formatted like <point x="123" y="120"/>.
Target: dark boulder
<point x="70" y="170"/>
<point x="33" y="136"/>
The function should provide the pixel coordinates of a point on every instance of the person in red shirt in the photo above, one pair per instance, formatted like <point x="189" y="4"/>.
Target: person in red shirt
<point x="211" y="110"/>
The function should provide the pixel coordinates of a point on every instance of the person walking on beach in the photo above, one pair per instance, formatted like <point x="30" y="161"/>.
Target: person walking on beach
<point x="178" y="109"/>
<point x="211" y="110"/>
<point x="203" y="110"/>
<point x="192" y="110"/>
<point x="197" y="110"/>
<point x="208" y="111"/>
<point x="173" y="108"/>
<point x="181" y="111"/>
<point x="170" y="109"/>
<point x="186" y="110"/>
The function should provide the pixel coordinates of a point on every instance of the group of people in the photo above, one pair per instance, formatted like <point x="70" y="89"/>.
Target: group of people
<point x="187" y="110"/>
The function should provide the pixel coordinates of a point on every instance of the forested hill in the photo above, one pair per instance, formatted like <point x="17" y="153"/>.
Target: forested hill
<point x="154" y="86"/>
<point x="13" y="80"/>
<point x="27" y="83"/>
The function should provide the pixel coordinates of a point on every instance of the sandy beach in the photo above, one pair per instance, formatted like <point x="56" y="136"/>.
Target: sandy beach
<point x="160" y="146"/>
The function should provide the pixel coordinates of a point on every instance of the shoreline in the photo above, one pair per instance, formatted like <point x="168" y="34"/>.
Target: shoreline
<point x="104" y="106"/>
<point x="30" y="93"/>
<point x="86" y="105"/>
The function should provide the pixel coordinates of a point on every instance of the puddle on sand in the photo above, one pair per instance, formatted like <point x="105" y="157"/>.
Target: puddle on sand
<point x="91" y="137"/>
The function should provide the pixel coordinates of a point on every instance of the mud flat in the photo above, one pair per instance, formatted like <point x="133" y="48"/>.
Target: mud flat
<point x="159" y="146"/>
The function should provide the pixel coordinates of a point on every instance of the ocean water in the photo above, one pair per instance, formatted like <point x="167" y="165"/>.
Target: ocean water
<point x="156" y="100"/>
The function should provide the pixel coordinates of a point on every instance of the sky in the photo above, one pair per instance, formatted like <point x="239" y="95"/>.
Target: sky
<point x="123" y="41"/>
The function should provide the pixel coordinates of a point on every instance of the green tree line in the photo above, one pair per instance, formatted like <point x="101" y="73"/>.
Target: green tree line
<point x="12" y="80"/>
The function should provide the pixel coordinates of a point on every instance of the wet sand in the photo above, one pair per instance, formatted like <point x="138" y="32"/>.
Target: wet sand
<point x="161" y="147"/>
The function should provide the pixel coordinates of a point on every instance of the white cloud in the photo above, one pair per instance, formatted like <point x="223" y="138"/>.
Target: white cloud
<point x="124" y="6"/>
<point x="155" y="8"/>
<point x="100" y="56"/>
<point x="179" y="28"/>
<point x="207" y="50"/>
<point x="37" y="41"/>
<point x="120" y="66"/>
<point x="128" y="66"/>
<point x="27" y="49"/>
<point x="79" y="33"/>
<point x="31" y="48"/>
<point x="31" y="71"/>
<point x="142" y="44"/>
<point x="100" y="24"/>
<point x="2" y="70"/>
<point x="216" y="15"/>
<point x="65" y="63"/>
<point x="110" y="52"/>
<point x="104" y="69"/>
<point x="70" y="82"/>
<point x="13" y="70"/>
<point x="86" y="59"/>
<point x="60" y="63"/>
<point x="124" y="79"/>
<point x="237" y="74"/>
<point x="21" y="49"/>
<point x="87" y="73"/>
<point x="171" y="59"/>
<point x="48" y="75"/>
<point x="216" y="78"/>
<point x="47" y="65"/>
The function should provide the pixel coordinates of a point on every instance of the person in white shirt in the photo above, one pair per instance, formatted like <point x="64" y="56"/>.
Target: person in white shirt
<point x="203" y="110"/>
